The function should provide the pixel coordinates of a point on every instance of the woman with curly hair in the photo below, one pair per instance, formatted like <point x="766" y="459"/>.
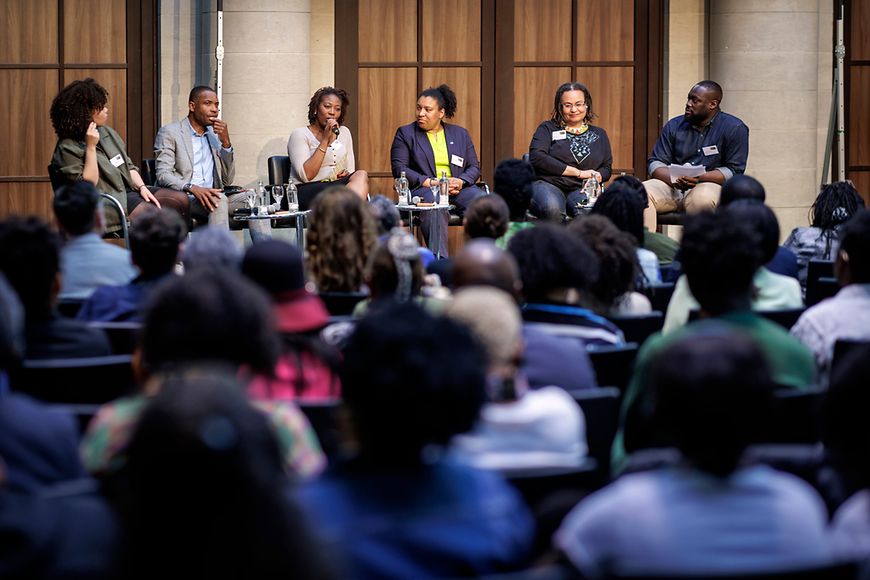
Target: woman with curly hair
<point x="89" y="149"/>
<point x="321" y="154"/>
<point x="341" y="236"/>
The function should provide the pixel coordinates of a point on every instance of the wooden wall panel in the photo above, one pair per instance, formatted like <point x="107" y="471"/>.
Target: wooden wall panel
<point x="387" y="97"/>
<point x="534" y="89"/>
<point x="861" y="179"/>
<point x="451" y="30"/>
<point x="613" y="24"/>
<point x="22" y="23"/>
<point x="95" y="31"/>
<point x="113" y="80"/>
<point x="465" y="82"/>
<point x="542" y="30"/>
<point x="26" y="95"/>
<point x="860" y="37"/>
<point x="26" y="199"/>
<point x="859" y="116"/>
<point x="612" y="90"/>
<point x="387" y="30"/>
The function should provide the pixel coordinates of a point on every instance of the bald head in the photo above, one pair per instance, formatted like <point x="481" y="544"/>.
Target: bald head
<point x="482" y="263"/>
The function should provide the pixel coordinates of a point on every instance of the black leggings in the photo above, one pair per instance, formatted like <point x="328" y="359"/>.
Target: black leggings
<point x="308" y="191"/>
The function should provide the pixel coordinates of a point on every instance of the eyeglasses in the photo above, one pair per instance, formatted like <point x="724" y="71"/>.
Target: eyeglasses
<point x="569" y="106"/>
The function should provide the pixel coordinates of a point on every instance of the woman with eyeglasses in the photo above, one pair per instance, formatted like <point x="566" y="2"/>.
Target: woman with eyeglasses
<point x="566" y="151"/>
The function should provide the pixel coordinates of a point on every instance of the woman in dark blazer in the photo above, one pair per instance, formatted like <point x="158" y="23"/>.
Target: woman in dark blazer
<point x="428" y="146"/>
<point x="565" y="152"/>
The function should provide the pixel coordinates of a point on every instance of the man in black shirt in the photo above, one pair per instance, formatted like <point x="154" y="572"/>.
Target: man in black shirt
<point x="705" y="135"/>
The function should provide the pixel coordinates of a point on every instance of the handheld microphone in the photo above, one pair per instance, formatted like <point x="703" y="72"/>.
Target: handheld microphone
<point x="416" y="199"/>
<point x="335" y="130"/>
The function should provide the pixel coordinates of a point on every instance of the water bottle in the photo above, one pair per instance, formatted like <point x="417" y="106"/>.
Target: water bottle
<point x="444" y="187"/>
<point x="292" y="196"/>
<point x="403" y="189"/>
<point x="591" y="188"/>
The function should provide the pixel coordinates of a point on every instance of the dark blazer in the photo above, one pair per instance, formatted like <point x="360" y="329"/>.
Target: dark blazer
<point x="412" y="153"/>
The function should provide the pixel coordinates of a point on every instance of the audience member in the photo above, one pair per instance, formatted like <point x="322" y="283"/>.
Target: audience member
<point x="835" y="204"/>
<point x="720" y="254"/>
<point x="708" y="515"/>
<point x="622" y="204"/>
<point x="517" y="428"/>
<point x="486" y="217"/>
<point x="770" y="291"/>
<point x="400" y="508"/>
<point x="29" y="257"/>
<point x="513" y="182"/>
<point x="204" y="489"/>
<point x="86" y="261"/>
<point x="613" y="291"/>
<point x="557" y="270"/>
<point x="307" y="367"/>
<point x="482" y="263"/>
<point x="207" y="317"/>
<point x="387" y="218"/>
<point x="341" y="235"/>
<point x="846" y="316"/>
<point x="745" y="187"/>
<point x="211" y="247"/>
<point x="155" y="236"/>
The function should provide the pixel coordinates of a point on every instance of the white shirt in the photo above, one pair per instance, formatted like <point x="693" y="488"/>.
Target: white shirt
<point x="338" y="157"/>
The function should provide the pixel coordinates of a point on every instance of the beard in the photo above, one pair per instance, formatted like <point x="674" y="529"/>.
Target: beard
<point x="695" y="118"/>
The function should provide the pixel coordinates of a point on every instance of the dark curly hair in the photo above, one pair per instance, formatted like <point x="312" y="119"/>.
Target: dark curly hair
<point x="341" y="235"/>
<point x="318" y="96"/>
<point x="486" y="217"/>
<point x="617" y="254"/>
<point x="623" y="205"/>
<point x="557" y="102"/>
<point x="29" y="257"/>
<point x="551" y="258"/>
<point x="513" y="182"/>
<point x="444" y="95"/>
<point x="72" y="110"/>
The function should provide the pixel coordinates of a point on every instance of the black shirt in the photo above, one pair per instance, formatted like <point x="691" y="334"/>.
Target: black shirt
<point x="550" y="156"/>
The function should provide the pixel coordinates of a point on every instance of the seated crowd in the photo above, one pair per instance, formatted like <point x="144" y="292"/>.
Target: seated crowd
<point x="463" y="416"/>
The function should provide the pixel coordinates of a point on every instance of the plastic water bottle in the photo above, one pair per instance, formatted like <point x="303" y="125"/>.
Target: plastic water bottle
<point x="292" y="196"/>
<point x="444" y="187"/>
<point x="403" y="189"/>
<point x="592" y="188"/>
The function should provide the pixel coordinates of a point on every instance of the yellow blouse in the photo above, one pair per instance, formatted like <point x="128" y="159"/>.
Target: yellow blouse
<point x="438" y="141"/>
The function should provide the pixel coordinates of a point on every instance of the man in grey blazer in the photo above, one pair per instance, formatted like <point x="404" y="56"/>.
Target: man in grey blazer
<point x="195" y="155"/>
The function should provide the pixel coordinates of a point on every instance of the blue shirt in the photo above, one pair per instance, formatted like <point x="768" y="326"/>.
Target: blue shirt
<point x="680" y="142"/>
<point x="87" y="262"/>
<point x="203" y="160"/>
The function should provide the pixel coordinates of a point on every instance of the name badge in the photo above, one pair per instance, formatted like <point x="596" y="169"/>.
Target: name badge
<point x="710" y="150"/>
<point x="117" y="160"/>
<point x="457" y="160"/>
<point x="559" y="135"/>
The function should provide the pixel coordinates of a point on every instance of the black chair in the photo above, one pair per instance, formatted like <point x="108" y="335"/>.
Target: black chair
<point x="659" y="295"/>
<point x="639" y="328"/>
<point x="844" y="348"/>
<point x="69" y="307"/>
<point x="795" y="417"/>
<point x="341" y="303"/>
<point x="601" y="410"/>
<point x="671" y="218"/>
<point x="123" y="336"/>
<point x="82" y="414"/>
<point x="820" y="269"/>
<point x="613" y="364"/>
<point x="324" y="419"/>
<point x="785" y="317"/>
<point x="94" y="380"/>
<point x="279" y="169"/>
<point x="847" y="571"/>
<point x="819" y="289"/>
<point x="57" y="181"/>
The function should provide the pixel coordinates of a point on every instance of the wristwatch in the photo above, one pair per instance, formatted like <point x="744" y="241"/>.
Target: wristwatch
<point x="186" y="188"/>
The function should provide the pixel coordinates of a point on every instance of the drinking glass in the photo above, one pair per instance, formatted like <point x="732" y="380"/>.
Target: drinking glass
<point x="435" y="188"/>
<point x="278" y="194"/>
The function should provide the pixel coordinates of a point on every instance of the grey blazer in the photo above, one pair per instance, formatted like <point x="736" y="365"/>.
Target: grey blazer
<point x="173" y="152"/>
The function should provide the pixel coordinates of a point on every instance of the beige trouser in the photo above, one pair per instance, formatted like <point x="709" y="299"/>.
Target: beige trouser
<point x="663" y="199"/>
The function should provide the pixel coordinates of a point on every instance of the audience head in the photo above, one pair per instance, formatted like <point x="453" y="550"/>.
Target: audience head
<point x="277" y="268"/>
<point x="712" y="393"/>
<point x="617" y="254"/>
<point x="555" y="265"/>
<point x="74" y="107"/>
<point x="481" y="263"/>
<point x="395" y="268"/>
<point x="835" y="204"/>
<point x="211" y="247"/>
<point x="486" y="217"/>
<point x="322" y="93"/>
<point x="75" y="206"/>
<point x="720" y="255"/>
<point x="155" y="236"/>
<point x="341" y="235"/>
<point x="385" y="214"/>
<point x="208" y="316"/>
<point x="623" y="205"/>
<point x="203" y="488"/>
<point x="853" y="260"/>
<point x="29" y="258"/>
<point x="444" y="97"/>
<point x="11" y="326"/>
<point x="844" y="417"/>
<point x="557" y="116"/>
<point x="762" y="219"/>
<point x="513" y="182"/>
<point x="741" y="186"/>
<point x="411" y="381"/>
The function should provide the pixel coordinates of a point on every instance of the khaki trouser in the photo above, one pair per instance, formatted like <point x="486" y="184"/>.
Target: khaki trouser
<point x="663" y="199"/>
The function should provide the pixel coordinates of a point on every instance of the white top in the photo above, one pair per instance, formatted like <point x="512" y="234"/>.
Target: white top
<point x="544" y="428"/>
<point x="681" y="520"/>
<point x="649" y="265"/>
<point x="850" y="528"/>
<point x="338" y="157"/>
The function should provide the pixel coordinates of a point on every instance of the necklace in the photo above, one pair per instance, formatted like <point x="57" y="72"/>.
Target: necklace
<point x="577" y="130"/>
